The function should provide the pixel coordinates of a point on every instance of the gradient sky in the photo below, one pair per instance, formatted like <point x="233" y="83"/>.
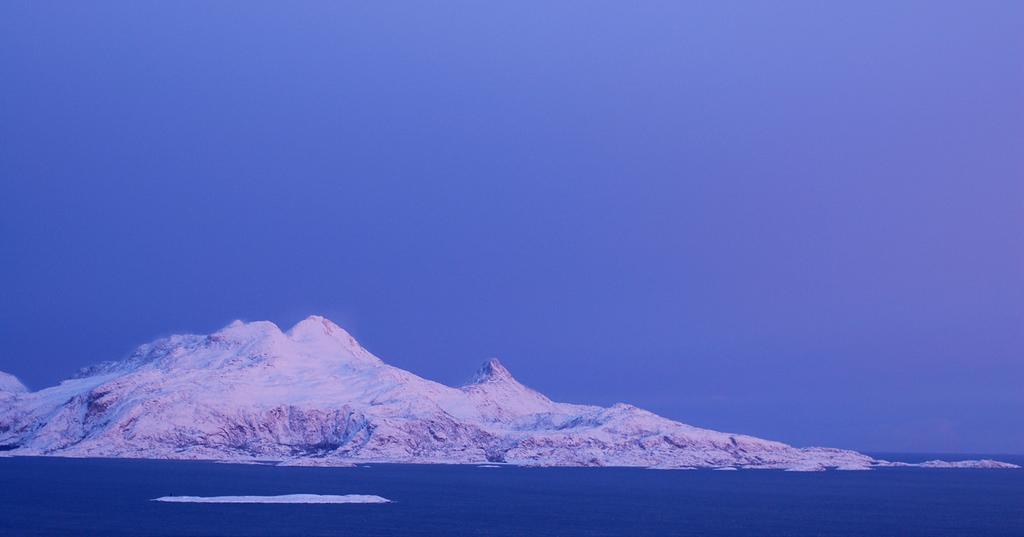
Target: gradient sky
<point x="802" y="221"/>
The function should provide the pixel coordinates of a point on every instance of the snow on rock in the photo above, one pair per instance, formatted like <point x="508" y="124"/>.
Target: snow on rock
<point x="285" y="498"/>
<point x="982" y="463"/>
<point x="979" y="463"/>
<point x="312" y="396"/>
<point x="316" y="462"/>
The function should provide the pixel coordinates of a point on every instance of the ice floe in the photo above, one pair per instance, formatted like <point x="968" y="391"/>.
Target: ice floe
<point x="285" y="498"/>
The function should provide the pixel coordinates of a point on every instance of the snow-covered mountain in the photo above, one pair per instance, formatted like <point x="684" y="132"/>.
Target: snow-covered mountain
<point x="314" y="396"/>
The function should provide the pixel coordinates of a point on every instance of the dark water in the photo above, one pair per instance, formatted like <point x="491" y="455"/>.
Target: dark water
<point x="109" y="497"/>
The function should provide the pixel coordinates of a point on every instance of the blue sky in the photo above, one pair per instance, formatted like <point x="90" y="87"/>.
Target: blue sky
<point x="796" y="220"/>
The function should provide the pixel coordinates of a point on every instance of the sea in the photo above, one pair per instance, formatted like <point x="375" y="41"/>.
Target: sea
<point x="110" y="497"/>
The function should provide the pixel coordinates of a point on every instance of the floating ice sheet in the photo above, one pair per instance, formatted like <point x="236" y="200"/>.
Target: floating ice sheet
<point x="286" y="498"/>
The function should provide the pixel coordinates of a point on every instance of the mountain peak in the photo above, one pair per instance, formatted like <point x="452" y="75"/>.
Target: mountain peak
<point x="10" y="383"/>
<point x="316" y="327"/>
<point x="242" y="329"/>
<point x="315" y="324"/>
<point x="492" y="371"/>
